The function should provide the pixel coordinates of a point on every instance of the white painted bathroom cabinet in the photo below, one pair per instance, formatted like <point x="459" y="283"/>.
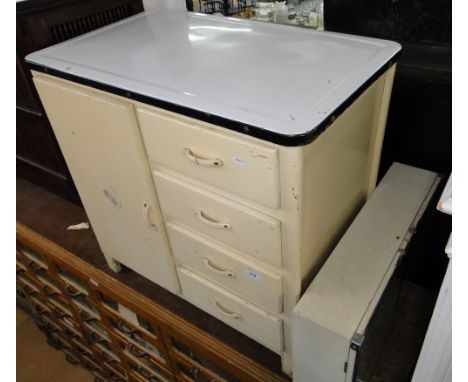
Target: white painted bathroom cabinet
<point x="221" y="159"/>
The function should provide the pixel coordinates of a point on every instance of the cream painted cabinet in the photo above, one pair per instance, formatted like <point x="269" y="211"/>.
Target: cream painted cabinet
<point x="229" y="156"/>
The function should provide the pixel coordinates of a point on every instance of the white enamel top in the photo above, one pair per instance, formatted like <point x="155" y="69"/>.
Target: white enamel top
<point x="280" y="78"/>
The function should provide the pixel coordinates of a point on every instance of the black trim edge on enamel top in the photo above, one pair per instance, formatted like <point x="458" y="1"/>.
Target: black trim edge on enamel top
<point x="254" y="131"/>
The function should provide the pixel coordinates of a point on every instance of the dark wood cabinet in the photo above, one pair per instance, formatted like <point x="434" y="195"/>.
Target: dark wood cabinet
<point x="39" y="24"/>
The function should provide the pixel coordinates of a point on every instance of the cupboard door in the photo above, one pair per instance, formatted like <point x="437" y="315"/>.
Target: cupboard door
<point x="101" y="142"/>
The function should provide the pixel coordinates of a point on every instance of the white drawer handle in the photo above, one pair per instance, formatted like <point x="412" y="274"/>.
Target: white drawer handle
<point x="204" y="219"/>
<point x="201" y="161"/>
<point x="216" y="269"/>
<point x="146" y="216"/>
<point x="221" y="309"/>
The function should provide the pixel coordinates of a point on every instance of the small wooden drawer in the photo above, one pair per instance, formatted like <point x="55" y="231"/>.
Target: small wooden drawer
<point x="68" y="321"/>
<point x="70" y="332"/>
<point x="191" y="372"/>
<point x="29" y="287"/>
<point x="234" y="311"/>
<point x="40" y="307"/>
<point x="148" y="354"/>
<point x="50" y="325"/>
<point x="33" y="260"/>
<point x="106" y="353"/>
<point x="95" y="332"/>
<point x="72" y="283"/>
<point x="124" y="320"/>
<point x="80" y="348"/>
<point x="255" y="234"/>
<point x="99" y="377"/>
<point x="149" y="372"/>
<point x="115" y="373"/>
<point x="59" y="307"/>
<point x="224" y="267"/>
<point x="90" y="363"/>
<point x="109" y="303"/>
<point x="60" y="342"/>
<point x="20" y="267"/>
<point x="126" y="329"/>
<point x="85" y="310"/>
<point x="189" y="364"/>
<point x="49" y="286"/>
<point x="133" y="376"/>
<point x="232" y="163"/>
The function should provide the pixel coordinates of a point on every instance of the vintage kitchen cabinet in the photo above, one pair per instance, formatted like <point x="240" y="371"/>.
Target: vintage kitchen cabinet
<point x="222" y="159"/>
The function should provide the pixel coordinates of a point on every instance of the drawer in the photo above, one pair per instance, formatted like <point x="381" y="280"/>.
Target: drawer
<point x="237" y="165"/>
<point x="148" y="373"/>
<point x="256" y="323"/>
<point x="96" y="333"/>
<point x="234" y="225"/>
<point x="226" y="268"/>
<point x="146" y="353"/>
<point x="190" y="363"/>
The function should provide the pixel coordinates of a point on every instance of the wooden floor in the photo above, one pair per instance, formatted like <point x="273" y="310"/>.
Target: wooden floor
<point x="36" y="361"/>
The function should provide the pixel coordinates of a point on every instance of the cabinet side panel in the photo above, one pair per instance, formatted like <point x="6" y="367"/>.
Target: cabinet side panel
<point x="101" y="142"/>
<point x="337" y="175"/>
<point x="319" y="354"/>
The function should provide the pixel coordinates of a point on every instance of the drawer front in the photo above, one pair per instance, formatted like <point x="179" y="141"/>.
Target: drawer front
<point x="234" y="164"/>
<point x="256" y="323"/>
<point x="239" y="227"/>
<point x="226" y="268"/>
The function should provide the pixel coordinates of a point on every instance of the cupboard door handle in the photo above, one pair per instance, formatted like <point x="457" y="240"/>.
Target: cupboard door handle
<point x="209" y="222"/>
<point x="216" y="162"/>
<point x="223" y="310"/>
<point x="215" y="269"/>
<point x="146" y="216"/>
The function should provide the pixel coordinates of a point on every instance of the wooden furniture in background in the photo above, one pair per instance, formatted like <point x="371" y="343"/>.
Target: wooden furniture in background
<point x="41" y="23"/>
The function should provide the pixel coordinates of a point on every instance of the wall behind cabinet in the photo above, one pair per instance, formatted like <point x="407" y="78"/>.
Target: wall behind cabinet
<point x="419" y="130"/>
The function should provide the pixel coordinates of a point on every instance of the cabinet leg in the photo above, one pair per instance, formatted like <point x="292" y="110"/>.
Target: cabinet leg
<point x="113" y="264"/>
<point x="286" y="363"/>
